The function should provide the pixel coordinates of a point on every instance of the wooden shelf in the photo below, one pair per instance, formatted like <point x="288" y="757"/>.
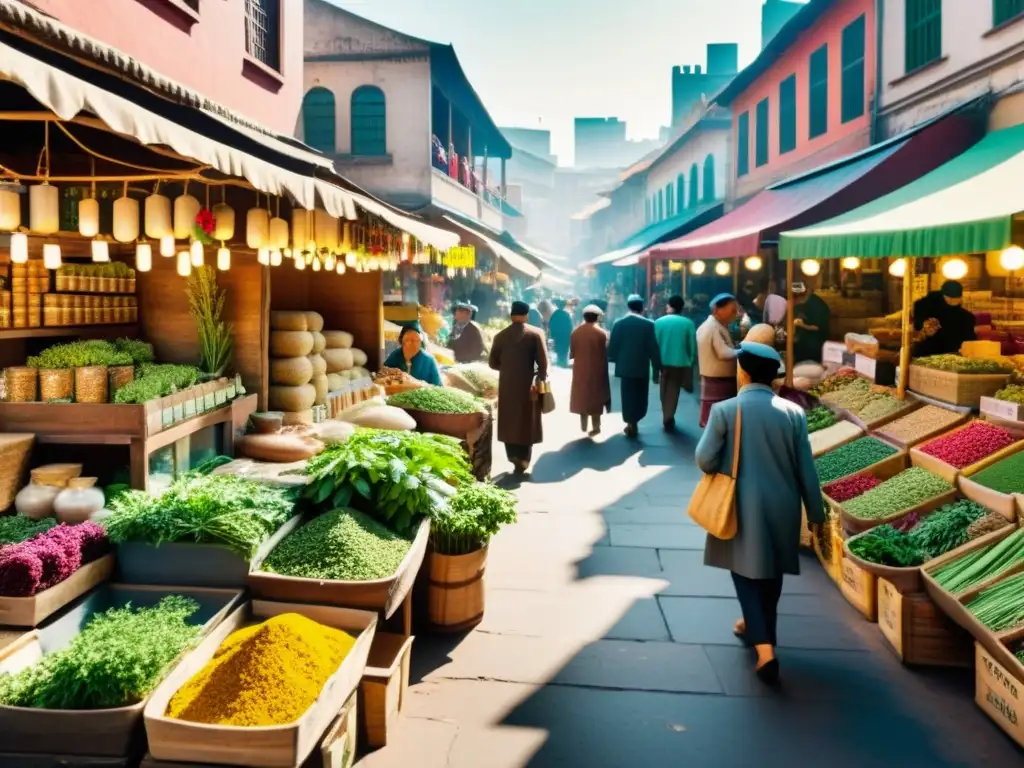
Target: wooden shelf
<point x="88" y="331"/>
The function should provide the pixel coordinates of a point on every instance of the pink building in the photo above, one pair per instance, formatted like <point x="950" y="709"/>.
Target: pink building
<point x="807" y="99"/>
<point x="243" y="54"/>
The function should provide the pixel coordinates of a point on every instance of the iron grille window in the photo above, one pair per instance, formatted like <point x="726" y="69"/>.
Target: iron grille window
<point x="818" y="92"/>
<point x="853" y="70"/>
<point x="761" y="139"/>
<point x="787" y="115"/>
<point x="1004" y="10"/>
<point x="709" y="178"/>
<point x="369" y="121"/>
<point x="742" y="145"/>
<point x="318" y="120"/>
<point x="923" y="43"/>
<point x="263" y="31"/>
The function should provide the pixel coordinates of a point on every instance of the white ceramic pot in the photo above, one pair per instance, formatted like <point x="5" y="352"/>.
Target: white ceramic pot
<point x="36" y="501"/>
<point x="77" y="503"/>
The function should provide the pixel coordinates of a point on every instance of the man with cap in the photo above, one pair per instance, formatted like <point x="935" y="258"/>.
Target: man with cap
<point x="591" y="390"/>
<point x="811" y="318"/>
<point x="520" y="356"/>
<point x="467" y="340"/>
<point x="677" y="341"/>
<point x="941" y="323"/>
<point x="560" y="328"/>
<point x="717" y="355"/>
<point x="634" y="350"/>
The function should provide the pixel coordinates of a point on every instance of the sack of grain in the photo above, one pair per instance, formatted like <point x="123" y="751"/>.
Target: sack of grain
<point x="382" y="417"/>
<point x="298" y="418"/>
<point x="360" y="373"/>
<point x="290" y="343"/>
<point x="319" y="342"/>
<point x="321" y="385"/>
<point x="292" y="399"/>
<point x="288" y="321"/>
<point x="335" y="381"/>
<point x="314" y="321"/>
<point x="338" y="360"/>
<point x="358" y="357"/>
<point x="291" y="371"/>
<point x="282" y="448"/>
<point x="339" y="339"/>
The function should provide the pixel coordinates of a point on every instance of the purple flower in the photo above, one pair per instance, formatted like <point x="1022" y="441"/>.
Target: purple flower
<point x="60" y="550"/>
<point x="20" y="572"/>
<point x="94" y="541"/>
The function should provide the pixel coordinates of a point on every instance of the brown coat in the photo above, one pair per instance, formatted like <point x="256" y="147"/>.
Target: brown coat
<point x="519" y="354"/>
<point x="469" y="347"/>
<point x="591" y="390"/>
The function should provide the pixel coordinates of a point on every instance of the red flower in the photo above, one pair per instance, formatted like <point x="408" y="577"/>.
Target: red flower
<point x="205" y="221"/>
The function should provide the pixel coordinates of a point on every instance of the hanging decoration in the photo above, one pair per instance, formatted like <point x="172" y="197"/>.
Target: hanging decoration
<point x="10" y="210"/>
<point x="224" y="218"/>
<point x="43" y="199"/>
<point x="278" y="229"/>
<point x="88" y="209"/>
<point x="19" y="248"/>
<point x="204" y="227"/>
<point x="223" y="259"/>
<point x="698" y="268"/>
<point x="167" y="246"/>
<point x="157" y="215"/>
<point x="126" y="218"/>
<point x="100" y="251"/>
<point x="184" y="263"/>
<point x="143" y="257"/>
<point x="186" y="209"/>
<point x="275" y="257"/>
<point x="51" y="256"/>
<point x="196" y="253"/>
<point x="263" y="256"/>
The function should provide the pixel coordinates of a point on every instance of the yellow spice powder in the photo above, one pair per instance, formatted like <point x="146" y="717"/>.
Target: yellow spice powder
<point x="266" y="674"/>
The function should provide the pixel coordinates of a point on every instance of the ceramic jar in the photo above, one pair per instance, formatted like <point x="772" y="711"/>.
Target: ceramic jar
<point x="77" y="503"/>
<point x="36" y="501"/>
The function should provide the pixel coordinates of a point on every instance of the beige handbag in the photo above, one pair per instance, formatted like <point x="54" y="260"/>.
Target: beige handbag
<point x="713" y="504"/>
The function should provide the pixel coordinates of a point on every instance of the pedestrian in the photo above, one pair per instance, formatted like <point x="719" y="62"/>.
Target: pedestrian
<point x="591" y="390"/>
<point x="775" y="480"/>
<point x="811" y="322"/>
<point x="411" y="358"/>
<point x="534" y="318"/>
<point x="716" y="355"/>
<point x="634" y="350"/>
<point x="519" y="354"/>
<point x="677" y="343"/>
<point x="560" y="329"/>
<point x="467" y="340"/>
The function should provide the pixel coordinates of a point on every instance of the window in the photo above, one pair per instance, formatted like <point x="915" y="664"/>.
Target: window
<point x="923" y="43"/>
<point x="761" y="139"/>
<point x="709" y="179"/>
<point x="681" y="191"/>
<point x="743" y="144"/>
<point x="853" y="71"/>
<point x="787" y="115"/>
<point x="1004" y="10"/>
<point x="647" y="211"/>
<point x="318" y="120"/>
<point x="369" y="121"/>
<point x="817" y="96"/>
<point x="661" y="204"/>
<point x="263" y="31"/>
<point x="694" y="186"/>
<point x="670" y="196"/>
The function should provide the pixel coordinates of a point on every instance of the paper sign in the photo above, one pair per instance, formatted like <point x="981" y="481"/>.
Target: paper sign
<point x="167" y="417"/>
<point x="179" y="412"/>
<point x="211" y="401"/>
<point x="890" y="615"/>
<point x="190" y="408"/>
<point x="461" y="257"/>
<point x="832" y="352"/>
<point x="865" y="366"/>
<point x="1001" y="409"/>
<point x="220" y="397"/>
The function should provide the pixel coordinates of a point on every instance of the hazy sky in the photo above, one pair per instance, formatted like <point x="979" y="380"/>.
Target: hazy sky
<point x="540" y="63"/>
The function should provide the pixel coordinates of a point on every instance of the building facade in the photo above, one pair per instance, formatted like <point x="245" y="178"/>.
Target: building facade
<point x="690" y="85"/>
<point x="601" y="143"/>
<point x="243" y="54"/>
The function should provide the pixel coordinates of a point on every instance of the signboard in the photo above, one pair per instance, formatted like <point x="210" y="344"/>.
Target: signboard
<point x="461" y="257"/>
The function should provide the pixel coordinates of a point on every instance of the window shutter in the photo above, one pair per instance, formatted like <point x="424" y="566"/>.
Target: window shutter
<point x="742" y="145"/>
<point x="787" y="115"/>
<point x="761" y="140"/>
<point x="853" y="96"/>
<point x="818" y="93"/>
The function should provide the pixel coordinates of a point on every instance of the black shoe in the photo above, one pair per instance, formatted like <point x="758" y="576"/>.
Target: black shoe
<point x="769" y="673"/>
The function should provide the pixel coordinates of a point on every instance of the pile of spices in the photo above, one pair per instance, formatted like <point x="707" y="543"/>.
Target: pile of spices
<point x="852" y="457"/>
<point x="969" y="445"/>
<point x="824" y="440"/>
<point x="902" y="492"/>
<point x="266" y="674"/>
<point x="844" y="377"/>
<point x="851" y="487"/>
<point x="986" y="525"/>
<point x="820" y="418"/>
<point x="914" y="426"/>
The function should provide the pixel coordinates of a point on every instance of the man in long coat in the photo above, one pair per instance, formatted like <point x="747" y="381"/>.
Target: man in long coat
<point x="560" y="330"/>
<point x="467" y="340"/>
<point x="634" y="350"/>
<point x="591" y="390"/>
<point x="519" y="354"/>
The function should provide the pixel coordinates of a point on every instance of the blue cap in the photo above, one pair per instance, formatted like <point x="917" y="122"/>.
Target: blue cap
<point x="722" y="297"/>
<point x="634" y="297"/>
<point x="757" y="349"/>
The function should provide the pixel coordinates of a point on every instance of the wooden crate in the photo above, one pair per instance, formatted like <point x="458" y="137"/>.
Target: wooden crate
<point x="999" y="693"/>
<point x="860" y="588"/>
<point x="384" y="687"/>
<point x="831" y="560"/>
<point x="1003" y="503"/>
<point x="32" y="611"/>
<point x="955" y="388"/>
<point x="948" y="472"/>
<point x="918" y="631"/>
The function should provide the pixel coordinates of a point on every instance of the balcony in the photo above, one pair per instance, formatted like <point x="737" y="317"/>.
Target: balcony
<point x="460" y="188"/>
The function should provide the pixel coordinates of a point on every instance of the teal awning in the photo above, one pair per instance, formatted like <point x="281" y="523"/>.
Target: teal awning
<point x="656" y="233"/>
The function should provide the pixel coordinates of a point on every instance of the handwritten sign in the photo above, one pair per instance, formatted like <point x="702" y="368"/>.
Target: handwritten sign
<point x="461" y="257"/>
<point x="858" y="587"/>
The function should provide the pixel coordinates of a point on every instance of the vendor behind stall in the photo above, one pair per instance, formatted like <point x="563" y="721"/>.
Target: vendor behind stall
<point x="811" y="319"/>
<point x="942" y="325"/>
<point x="411" y="358"/>
<point x="466" y="340"/>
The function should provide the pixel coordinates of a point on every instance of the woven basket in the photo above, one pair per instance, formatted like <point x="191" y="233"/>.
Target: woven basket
<point x="56" y="384"/>
<point x="22" y="384"/>
<point x="91" y="384"/>
<point x="956" y="388"/>
<point x="121" y="375"/>
<point x="14" y="455"/>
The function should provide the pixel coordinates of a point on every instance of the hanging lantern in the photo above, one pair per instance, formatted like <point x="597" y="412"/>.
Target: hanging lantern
<point x="196" y="253"/>
<point x="51" y="256"/>
<point x="126" y="219"/>
<point x="341" y="268"/>
<point x="263" y="256"/>
<point x="100" y="251"/>
<point x="300" y="263"/>
<point x="330" y="261"/>
<point x="325" y="230"/>
<point x="257" y="228"/>
<point x="753" y="263"/>
<point x="157" y="216"/>
<point x="186" y="208"/>
<point x="898" y="268"/>
<point x="697" y="268"/>
<point x="167" y="246"/>
<point x="350" y="259"/>
<point x="810" y="267"/>
<point x="89" y="217"/>
<point x="301" y="228"/>
<point x="1012" y="258"/>
<point x="10" y="210"/>
<point x="278" y="233"/>
<point x="850" y="263"/>
<point x="43" y="209"/>
<point x="722" y="268"/>
<point x="184" y="263"/>
<point x="316" y="263"/>
<point x="223" y="259"/>
<point x="224" y="222"/>
<point x="954" y="269"/>
<point x="143" y="257"/>
<point x="275" y="257"/>
<point x="19" y="248"/>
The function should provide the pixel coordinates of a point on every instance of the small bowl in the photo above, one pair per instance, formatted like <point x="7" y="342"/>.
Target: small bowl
<point x="268" y="423"/>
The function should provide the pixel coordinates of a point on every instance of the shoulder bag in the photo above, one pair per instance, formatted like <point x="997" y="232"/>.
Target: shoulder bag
<point x="713" y="504"/>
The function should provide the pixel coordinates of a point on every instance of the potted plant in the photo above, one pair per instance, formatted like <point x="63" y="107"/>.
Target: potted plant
<point x="460" y="533"/>
<point x="206" y="308"/>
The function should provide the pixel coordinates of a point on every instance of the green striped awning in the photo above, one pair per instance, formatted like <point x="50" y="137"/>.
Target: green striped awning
<point x="964" y="206"/>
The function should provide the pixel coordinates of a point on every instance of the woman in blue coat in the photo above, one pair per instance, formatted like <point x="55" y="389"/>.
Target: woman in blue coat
<point x="776" y="477"/>
<point x="411" y="358"/>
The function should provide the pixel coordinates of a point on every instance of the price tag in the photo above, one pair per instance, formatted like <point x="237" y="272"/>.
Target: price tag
<point x="890" y="615"/>
<point x="167" y="417"/>
<point x="832" y="352"/>
<point x="865" y="366"/>
<point x="232" y="391"/>
<point x="200" y="402"/>
<point x="190" y="408"/>
<point x="1001" y="409"/>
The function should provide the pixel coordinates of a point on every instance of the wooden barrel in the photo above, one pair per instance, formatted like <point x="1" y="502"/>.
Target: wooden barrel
<point x="455" y="594"/>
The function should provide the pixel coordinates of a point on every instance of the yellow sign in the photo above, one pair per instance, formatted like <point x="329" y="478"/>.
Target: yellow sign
<point x="675" y="266"/>
<point x="461" y="257"/>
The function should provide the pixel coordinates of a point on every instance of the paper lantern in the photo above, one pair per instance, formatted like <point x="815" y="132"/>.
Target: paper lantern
<point x="51" y="256"/>
<point x="954" y="269"/>
<point x="184" y="263"/>
<point x="300" y="263"/>
<point x="278" y="233"/>
<point x="143" y="257"/>
<point x="850" y="263"/>
<point x="224" y="222"/>
<point x="89" y="217"/>
<point x="126" y="219"/>
<point x="316" y="263"/>
<point x="898" y="268"/>
<point x="19" y="248"/>
<point x="100" y="251"/>
<point x="810" y="267"/>
<point x="330" y="261"/>
<point x="257" y="227"/>
<point x="196" y="253"/>
<point x="698" y="268"/>
<point x="10" y="210"/>
<point x="325" y="230"/>
<point x="223" y="259"/>
<point x="263" y="256"/>
<point x="301" y="228"/>
<point x="346" y="238"/>
<point x="186" y="208"/>
<point x="167" y="246"/>
<point x="341" y="268"/>
<point x="1012" y="258"/>
<point x="157" y="215"/>
<point x="43" y="209"/>
<point x="275" y="257"/>
<point x="753" y="263"/>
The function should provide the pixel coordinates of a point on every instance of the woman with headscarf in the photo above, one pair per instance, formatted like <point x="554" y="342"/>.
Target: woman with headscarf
<point x="591" y="390"/>
<point x="411" y="358"/>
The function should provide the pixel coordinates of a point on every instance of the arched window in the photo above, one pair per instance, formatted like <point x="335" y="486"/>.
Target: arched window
<point x="709" y="178"/>
<point x="681" y="191"/>
<point x="694" y="185"/>
<point x="647" y="211"/>
<point x="670" y="197"/>
<point x="318" y="124"/>
<point x="369" y="121"/>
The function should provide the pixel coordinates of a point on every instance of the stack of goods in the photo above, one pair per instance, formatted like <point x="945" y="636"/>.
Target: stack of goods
<point x="115" y="661"/>
<point x="966" y="447"/>
<point x="820" y="418"/>
<point x="914" y="540"/>
<point x="829" y="438"/>
<point x="62" y="308"/>
<point x="298" y="372"/>
<point x="475" y="378"/>
<point x="920" y="424"/>
<point x="982" y="565"/>
<point x="901" y="493"/>
<point x="1001" y="606"/>
<point x="112" y="277"/>
<point x="40" y="560"/>
<point x="852" y="458"/>
<point x="263" y="675"/>
<point x="437" y="400"/>
<point x="345" y="363"/>
<point x="28" y="282"/>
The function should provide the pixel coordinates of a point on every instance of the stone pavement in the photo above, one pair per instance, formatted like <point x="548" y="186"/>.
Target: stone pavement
<point x="608" y="643"/>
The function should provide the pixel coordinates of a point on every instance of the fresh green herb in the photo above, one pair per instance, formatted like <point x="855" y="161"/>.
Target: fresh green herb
<point x="206" y="308"/>
<point x="15" y="529"/>
<point x="79" y="354"/>
<point x="474" y="514"/>
<point x="982" y="564"/>
<point x="945" y="530"/>
<point x="437" y="400"/>
<point x="820" y="418"/>
<point x="887" y="546"/>
<point x="1001" y="606"/>
<point x="139" y="351"/>
<point x="902" y="492"/>
<point x="153" y="381"/>
<point x="958" y="364"/>
<point x="1005" y="476"/>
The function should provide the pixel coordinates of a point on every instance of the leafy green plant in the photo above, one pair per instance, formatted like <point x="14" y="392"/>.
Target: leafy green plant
<point x="79" y="354"/>
<point x="472" y="516"/>
<point x="139" y="351"/>
<point x="206" y="308"/>
<point x="153" y="381"/>
<point x="437" y="400"/>
<point x="15" y="529"/>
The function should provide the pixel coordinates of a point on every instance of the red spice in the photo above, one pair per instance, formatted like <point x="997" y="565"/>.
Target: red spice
<point x="850" y="487"/>
<point x="969" y="445"/>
